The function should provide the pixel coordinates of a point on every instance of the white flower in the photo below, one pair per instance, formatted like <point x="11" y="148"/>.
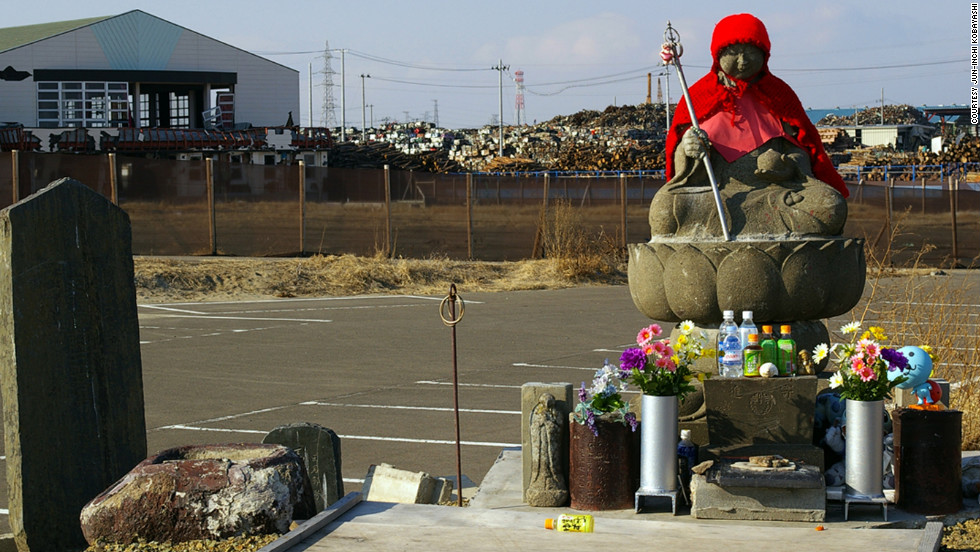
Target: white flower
<point x="851" y="327"/>
<point x="836" y="380"/>
<point x="687" y="327"/>
<point x="820" y="352"/>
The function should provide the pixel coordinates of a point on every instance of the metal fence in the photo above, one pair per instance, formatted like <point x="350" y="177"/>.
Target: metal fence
<point x="204" y="207"/>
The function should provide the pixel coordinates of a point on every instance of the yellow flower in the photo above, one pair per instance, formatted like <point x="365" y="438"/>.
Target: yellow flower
<point x="878" y="333"/>
<point x="682" y="340"/>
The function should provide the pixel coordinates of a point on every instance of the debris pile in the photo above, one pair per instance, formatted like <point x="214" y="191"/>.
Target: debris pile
<point x="626" y="137"/>
<point x="902" y="114"/>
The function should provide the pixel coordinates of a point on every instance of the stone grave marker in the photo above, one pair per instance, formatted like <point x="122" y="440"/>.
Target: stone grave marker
<point x="319" y="448"/>
<point x="70" y="370"/>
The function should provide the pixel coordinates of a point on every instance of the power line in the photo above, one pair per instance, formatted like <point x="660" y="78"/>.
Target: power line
<point x="411" y="65"/>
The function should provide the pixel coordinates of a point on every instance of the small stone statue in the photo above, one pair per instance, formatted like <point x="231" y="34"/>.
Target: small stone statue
<point x="548" y="486"/>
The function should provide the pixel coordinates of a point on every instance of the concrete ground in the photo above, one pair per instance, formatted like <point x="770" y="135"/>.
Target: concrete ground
<point x="378" y="370"/>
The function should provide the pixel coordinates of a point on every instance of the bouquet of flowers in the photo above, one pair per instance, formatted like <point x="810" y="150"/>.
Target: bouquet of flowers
<point x="603" y="398"/>
<point x="863" y="364"/>
<point x="660" y="368"/>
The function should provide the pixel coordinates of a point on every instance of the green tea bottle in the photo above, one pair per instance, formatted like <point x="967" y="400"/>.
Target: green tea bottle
<point x="786" y="353"/>
<point x="768" y="343"/>
<point x="753" y="357"/>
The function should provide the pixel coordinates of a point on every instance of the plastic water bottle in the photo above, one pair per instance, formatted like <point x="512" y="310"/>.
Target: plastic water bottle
<point x="747" y="327"/>
<point x="729" y="346"/>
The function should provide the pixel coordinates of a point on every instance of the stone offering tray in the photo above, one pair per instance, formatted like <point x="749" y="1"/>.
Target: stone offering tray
<point x="728" y="492"/>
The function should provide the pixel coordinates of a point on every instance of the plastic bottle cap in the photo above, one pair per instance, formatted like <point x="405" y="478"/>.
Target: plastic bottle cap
<point x="753" y="338"/>
<point x="728" y="313"/>
<point x="767" y="329"/>
<point x="746" y="314"/>
<point x="549" y="523"/>
<point x="784" y="328"/>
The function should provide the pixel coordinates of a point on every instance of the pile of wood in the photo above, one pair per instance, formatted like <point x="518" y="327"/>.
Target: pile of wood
<point x="378" y="154"/>
<point x="513" y="164"/>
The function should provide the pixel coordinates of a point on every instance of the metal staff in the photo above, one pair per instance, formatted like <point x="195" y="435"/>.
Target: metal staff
<point x="672" y="40"/>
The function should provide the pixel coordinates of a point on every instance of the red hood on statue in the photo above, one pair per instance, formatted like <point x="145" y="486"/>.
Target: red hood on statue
<point x="709" y="97"/>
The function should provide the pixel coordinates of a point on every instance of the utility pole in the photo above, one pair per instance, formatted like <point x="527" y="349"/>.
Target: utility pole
<point x="435" y="113"/>
<point x="500" y="68"/>
<point x="311" y="94"/>
<point x="343" y="96"/>
<point x="371" y="109"/>
<point x="882" y="106"/>
<point x="363" y="122"/>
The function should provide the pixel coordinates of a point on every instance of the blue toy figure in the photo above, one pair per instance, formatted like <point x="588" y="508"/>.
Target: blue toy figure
<point x="918" y="371"/>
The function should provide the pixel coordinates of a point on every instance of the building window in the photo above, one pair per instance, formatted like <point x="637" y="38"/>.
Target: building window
<point x="82" y="104"/>
<point x="180" y="110"/>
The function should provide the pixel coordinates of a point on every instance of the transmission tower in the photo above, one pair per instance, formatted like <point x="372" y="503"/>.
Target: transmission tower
<point x="329" y="114"/>
<point x="519" y="117"/>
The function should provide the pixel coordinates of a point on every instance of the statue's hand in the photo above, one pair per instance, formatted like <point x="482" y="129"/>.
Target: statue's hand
<point x="695" y="143"/>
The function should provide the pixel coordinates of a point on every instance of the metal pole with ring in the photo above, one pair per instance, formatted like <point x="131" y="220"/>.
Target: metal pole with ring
<point x="447" y="312"/>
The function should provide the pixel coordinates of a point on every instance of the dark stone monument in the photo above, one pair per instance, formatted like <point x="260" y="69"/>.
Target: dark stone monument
<point x="757" y="416"/>
<point x="70" y="367"/>
<point x="319" y="448"/>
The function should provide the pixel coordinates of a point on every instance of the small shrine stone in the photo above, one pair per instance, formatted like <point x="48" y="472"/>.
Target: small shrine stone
<point x="548" y="487"/>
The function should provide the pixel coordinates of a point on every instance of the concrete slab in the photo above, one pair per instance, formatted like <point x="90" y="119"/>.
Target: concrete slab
<point x="498" y="518"/>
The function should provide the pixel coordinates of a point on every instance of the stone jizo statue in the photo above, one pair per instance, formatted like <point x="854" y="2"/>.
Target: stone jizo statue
<point x="548" y="487"/>
<point x="774" y="176"/>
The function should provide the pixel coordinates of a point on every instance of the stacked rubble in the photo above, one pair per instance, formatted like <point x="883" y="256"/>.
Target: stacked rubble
<point x="902" y="114"/>
<point x="618" y="138"/>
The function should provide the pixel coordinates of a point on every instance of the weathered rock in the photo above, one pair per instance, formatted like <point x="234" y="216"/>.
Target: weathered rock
<point x="202" y="491"/>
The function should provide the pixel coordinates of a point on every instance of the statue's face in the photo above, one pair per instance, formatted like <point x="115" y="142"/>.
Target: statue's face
<point x="741" y="61"/>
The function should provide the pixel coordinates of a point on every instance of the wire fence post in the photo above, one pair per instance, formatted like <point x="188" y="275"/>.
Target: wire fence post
<point x="622" y="198"/>
<point x="469" y="215"/>
<point x="302" y="207"/>
<point x="15" y="175"/>
<point x="209" y="184"/>
<point x="952" y="212"/>
<point x="113" y="189"/>
<point x="388" y="251"/>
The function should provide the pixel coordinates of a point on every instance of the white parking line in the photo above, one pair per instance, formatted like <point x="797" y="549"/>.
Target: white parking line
<point x="357" y="437"/>
<point x="526" y="365"/>
<point x="243" y="318"/>
<point x="489" y="385"/>
<point x="426" y="408"/>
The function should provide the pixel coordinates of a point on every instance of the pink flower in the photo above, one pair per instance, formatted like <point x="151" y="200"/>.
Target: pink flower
<point x="857" y="363"/>
<point x="666" y="364"/>
<point x="870" y="348"/>
<point x="659" y="347"/>
<point x="649" y="349"/>
<point x="647" y="334"/>
<point x="668" y="351"/>
<point x="867" y="373"/>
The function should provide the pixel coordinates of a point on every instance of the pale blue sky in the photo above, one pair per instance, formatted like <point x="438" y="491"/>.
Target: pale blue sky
<point x="575" y="55"/>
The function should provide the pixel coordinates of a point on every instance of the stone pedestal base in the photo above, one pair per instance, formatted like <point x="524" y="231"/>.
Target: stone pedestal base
<point x="727" y="493"/>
